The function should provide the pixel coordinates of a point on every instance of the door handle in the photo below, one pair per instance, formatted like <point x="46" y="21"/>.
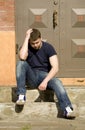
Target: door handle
<point x="54" y="19"/>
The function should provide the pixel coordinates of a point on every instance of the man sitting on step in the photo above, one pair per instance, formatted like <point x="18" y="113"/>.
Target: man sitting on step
<point x="38" y="66"/>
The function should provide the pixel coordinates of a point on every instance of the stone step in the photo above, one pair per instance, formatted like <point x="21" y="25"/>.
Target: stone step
<point x="34" y="110"/>
<point x="30" y="125"/>
<point x="28" y="111"/>
<point x="8" y="94"/>
<point x="38" y="105"/>
<point x="52" y="124"/>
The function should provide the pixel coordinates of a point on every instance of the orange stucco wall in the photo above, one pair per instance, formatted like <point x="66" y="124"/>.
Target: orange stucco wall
<point x="7" y="43"/>
<point x="7" y="58"/>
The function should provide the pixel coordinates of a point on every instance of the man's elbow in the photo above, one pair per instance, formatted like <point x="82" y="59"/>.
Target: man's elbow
<point x="22" y="56"/>
<point x="57" y="70"/>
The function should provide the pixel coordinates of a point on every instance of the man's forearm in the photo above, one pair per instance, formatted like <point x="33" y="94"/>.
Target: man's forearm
<point x="24" y="50"/>
<point x="54" y="68"/>
<point x="51" y="74"/>
<point x="44" y="83"/>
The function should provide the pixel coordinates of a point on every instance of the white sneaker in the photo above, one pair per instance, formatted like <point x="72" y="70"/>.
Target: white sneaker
<point x="69" y="113"/>
<point x="21" y="100"/>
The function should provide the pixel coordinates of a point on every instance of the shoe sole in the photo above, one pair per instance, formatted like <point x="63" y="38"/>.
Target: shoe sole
<point x="72" y="115"/>
<point x="20" y="103"/>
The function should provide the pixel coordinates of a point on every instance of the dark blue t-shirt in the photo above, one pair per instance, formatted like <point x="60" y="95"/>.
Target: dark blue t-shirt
<point x="39" y="59"/>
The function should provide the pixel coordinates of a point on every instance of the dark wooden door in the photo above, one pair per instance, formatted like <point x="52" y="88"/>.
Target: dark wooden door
<point x="62" y="23"/>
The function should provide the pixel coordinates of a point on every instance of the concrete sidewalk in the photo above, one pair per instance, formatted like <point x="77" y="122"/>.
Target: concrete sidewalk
<point x="44" y="124"/>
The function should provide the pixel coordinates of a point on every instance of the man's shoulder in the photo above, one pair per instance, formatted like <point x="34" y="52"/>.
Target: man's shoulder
<point x="47" y="44"/>
<point x="48" y="48"/>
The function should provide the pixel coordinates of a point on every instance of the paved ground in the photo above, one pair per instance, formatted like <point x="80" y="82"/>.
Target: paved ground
<point x="52" y="124"/>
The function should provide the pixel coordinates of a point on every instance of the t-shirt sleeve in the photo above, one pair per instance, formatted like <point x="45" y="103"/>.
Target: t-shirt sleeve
<point x="50" y="50"/>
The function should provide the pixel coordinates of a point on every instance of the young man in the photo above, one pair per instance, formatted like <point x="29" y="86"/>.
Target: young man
<point x="38" y="66"/>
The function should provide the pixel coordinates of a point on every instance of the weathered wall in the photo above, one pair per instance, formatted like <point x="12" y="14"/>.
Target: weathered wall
<point x="7" y="43"/>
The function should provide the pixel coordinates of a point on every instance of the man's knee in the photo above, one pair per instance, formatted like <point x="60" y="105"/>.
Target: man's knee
<point x="56" y="81"/>
<point x="21" y="63"/>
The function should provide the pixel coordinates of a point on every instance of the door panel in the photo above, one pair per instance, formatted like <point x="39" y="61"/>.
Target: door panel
<point x="72" y="38"/>
<point x="62" y="23"/>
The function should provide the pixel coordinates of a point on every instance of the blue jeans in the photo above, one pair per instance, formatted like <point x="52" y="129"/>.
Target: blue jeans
<point x="34" y="77"/>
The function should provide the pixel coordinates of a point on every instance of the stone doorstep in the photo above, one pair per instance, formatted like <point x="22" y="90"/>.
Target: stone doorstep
<point x="28" y="111"/>
<point x="34" y="110"/>
<point x="8" y="94"/>
<point x="38" y="105"/>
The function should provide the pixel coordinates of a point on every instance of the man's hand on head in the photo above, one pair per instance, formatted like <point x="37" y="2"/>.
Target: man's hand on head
<point x="29" y="31"/>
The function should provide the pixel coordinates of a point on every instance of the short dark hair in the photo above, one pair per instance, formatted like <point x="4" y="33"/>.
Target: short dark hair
<point x="35" y="35"/>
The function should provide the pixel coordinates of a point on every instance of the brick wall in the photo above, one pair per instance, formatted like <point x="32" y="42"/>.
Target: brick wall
<point x="7" y="43"/>
<point x="6" y="15"/>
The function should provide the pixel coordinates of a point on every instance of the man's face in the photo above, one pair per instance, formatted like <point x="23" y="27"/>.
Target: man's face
<point x="36" y="44"/>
